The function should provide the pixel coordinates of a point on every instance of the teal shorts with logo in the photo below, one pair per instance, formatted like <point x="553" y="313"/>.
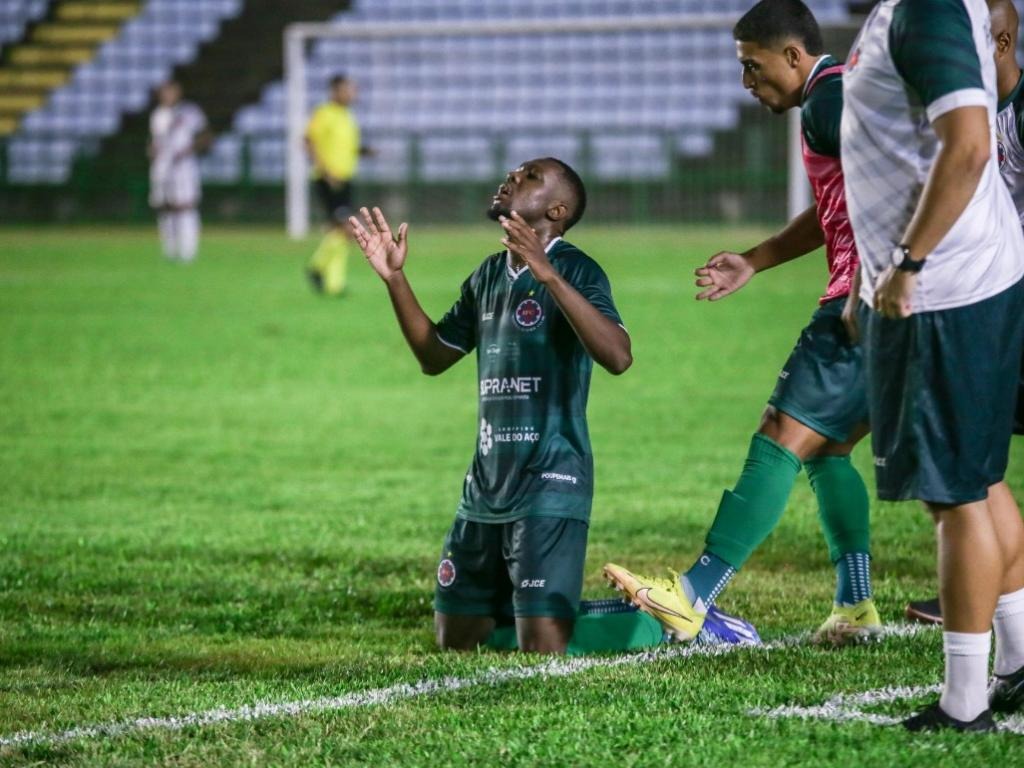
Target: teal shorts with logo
<point x="822" y="384"/>
<point x="944" y="387"/>
<point x="528" y="567"/>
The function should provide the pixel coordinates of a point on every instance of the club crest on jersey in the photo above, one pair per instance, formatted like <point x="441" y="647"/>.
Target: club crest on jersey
<point x="529" y="313"/>
<point x="446" y="573"/>
<point x="1001" y="152"/>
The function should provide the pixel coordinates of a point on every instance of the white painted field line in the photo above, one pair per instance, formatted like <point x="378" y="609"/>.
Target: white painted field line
<point x="847" y="707"/>
<point x="378" y="696"/>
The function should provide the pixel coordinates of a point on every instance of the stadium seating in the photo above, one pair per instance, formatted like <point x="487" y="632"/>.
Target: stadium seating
<point x="629" y="101"/>
<point x="16" y="16"/>
<point x="60" y="36"/>
<point x="117" y="81"/>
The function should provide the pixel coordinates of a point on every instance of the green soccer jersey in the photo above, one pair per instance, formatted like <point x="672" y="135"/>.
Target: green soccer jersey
<point x="533" y="453"/>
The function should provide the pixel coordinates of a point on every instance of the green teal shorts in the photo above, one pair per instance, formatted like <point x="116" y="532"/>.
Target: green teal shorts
<point x="822" y="384"/>
<point x="528" y="567"/>
<point x="943" y="388"/>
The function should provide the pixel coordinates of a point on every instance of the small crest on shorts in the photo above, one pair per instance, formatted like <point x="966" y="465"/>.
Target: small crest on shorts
<point x="446" y="573"/>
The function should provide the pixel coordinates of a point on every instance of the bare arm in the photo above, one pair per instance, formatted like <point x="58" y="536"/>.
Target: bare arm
<point x="726" y="272"/>
<point x="419" y="330"/>
<point x="605" y="341"/>
<point x="801" y="236"/>
<point x="386" y="253"/>
<point x="952" y="181"/>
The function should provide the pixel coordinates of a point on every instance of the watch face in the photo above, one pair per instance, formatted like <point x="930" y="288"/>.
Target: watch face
<point x="897" y="256"/>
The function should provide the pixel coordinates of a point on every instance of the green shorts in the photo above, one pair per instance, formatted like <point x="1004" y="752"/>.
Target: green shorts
<point x="528" y="567"/>
<point x="822" y="384"/>
<point x="943" y="389"/>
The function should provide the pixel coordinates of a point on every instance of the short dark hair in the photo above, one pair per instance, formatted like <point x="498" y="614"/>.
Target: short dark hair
<point x="578" y="190"/>
<point x="772" y="22"/>
<point x="337" y="80"/>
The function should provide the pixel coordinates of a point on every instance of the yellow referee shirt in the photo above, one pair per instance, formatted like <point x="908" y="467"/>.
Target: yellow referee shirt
<point x="334" y="134"/>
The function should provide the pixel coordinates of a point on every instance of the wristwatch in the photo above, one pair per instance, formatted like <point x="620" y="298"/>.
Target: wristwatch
<point x="902" y="261"/>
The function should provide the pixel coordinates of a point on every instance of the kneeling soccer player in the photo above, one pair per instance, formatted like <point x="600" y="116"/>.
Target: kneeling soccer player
<point x="818" y="411"/>
<point x="538" y="314"/>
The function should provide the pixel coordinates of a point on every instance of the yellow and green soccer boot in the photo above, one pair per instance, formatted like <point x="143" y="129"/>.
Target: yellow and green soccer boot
<point x="663" y="599"/>
<point x="849" y="625"/>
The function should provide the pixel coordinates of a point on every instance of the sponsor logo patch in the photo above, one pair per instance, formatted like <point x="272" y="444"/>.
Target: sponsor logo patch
<point x="515" y="385"/>
<point x="529" y="313"/>
<point x="486" y="437"/>
<point x="532" y="583"/>
<point x="558" y="477"/>
<point x="516" y="435"/>
<point x="446" y="573"/>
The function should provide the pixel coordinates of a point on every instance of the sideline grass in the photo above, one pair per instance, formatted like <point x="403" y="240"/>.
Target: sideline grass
<point x="216" y="488"/>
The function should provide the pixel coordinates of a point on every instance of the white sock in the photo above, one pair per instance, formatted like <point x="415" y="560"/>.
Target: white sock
<point x="1009" y="627"/>
<point x="168" y="234"/>
<point x="188" y="234"/>
<point x="965" y="694"/>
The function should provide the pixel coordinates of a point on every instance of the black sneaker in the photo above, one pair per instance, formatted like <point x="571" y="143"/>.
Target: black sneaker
<point x="934" y="719"/>
<point x="924" y="611"/>
<point x="1007" y="692"/>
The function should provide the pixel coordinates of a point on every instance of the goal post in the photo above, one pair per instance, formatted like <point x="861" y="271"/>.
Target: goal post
<point x="299" y="38"/>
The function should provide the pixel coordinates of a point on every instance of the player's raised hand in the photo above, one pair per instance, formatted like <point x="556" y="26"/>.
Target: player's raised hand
<point x="522" y="241"/>
<point x="726" y="272"/>
<point x="385" y="251"/>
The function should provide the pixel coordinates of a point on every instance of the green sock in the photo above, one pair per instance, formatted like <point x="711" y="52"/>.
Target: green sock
<point x="614" y="632"/>
<point x="749" y="512"/>
<point x="503" y="639"/>
<point x="624" y="630"/>
<point x="843" y="510"/>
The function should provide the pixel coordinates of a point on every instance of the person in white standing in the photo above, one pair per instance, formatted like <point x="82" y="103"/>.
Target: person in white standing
<point x="178" y="133"/>
<point x="942" y="315"/>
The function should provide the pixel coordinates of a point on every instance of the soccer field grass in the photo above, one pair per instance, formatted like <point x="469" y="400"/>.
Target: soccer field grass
<point x="219" y="490"/>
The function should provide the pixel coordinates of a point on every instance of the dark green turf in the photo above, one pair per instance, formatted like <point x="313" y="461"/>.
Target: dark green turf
<point x="217" y="488"/>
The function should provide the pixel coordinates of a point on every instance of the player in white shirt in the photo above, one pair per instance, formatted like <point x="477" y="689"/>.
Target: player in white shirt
<point x="178" y="133"/>
<point x="1007" y="690"/>
<point x="942" y="314"/>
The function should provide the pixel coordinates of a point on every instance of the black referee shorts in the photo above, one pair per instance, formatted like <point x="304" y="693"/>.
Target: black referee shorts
<point x="336" y="200"/>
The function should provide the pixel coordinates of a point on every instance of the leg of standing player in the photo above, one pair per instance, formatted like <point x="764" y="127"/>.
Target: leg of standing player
<point x="328" y="267"/>
<point x="168" y="232"/>
<point x="966" y="358"/>
<point x="185" y="198"/>
<point x="814" y="418"/>
<point x="187" y="226"/>
<point x="1007" y="691"/>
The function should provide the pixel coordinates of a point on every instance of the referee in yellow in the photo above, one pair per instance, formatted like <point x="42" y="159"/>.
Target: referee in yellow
<point x="332" y="140"/>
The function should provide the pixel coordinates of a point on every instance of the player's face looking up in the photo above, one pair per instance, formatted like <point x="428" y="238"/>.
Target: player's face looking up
<point x="772" y="75"/>
<point x="536" y="191"/>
